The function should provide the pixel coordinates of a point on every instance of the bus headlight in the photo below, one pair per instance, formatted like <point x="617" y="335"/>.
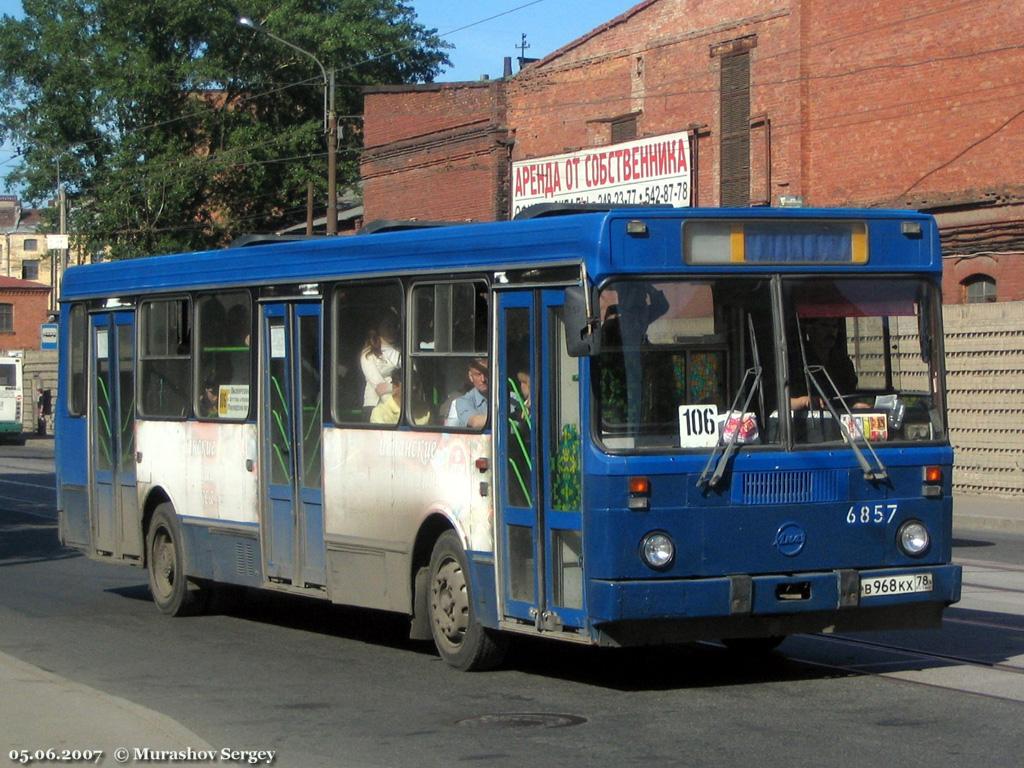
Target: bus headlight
<point x="913" y="538"/>
<point x="657" y="550"/>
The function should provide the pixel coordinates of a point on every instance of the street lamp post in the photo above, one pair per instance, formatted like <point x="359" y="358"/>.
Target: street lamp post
<point x="330" y="123"/>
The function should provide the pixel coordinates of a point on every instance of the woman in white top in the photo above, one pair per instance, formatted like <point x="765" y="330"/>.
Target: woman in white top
<point x="379" y="358"/>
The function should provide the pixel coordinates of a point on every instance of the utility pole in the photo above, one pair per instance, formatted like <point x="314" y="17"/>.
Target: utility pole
<point x="332" y="163"/>
<point x="330" y="122"/>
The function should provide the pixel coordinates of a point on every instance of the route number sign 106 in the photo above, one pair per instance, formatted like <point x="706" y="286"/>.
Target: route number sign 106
<point x="698" y="426"/>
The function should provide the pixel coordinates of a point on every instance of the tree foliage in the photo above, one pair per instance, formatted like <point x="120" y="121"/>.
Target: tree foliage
<point x="174" y="128"/>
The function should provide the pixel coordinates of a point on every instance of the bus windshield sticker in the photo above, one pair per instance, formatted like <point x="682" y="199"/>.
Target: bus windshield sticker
<point x="747" y="426"/>
<point x="233" y="401"/>
<point x="277" y="341"/>
<point x="101" y="344"/>
<point x="698" y="426"/>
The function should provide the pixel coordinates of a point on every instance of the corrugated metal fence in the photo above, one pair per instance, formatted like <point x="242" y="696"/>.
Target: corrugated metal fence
<point x="985" y="377"/>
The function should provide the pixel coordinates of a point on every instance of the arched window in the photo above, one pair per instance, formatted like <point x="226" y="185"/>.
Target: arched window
<point x="978" y="289"/>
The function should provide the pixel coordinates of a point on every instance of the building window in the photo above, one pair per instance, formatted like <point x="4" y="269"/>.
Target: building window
<point x="6" y="318"/>
<point x="624" y="129"/>
<point x="735" y="136"/>
<point x="30" y="269"/>
<point x="979" y="289"/>
<point x="31" y="244"/>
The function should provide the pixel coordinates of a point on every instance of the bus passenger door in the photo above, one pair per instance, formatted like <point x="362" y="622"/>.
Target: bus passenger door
<point x="114" y="510"/>
<point x="538" y="458"/>
<point x="291" y="426"/>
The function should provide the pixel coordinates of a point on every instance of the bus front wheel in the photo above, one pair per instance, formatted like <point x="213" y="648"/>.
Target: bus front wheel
<point x="460" y="638"/>
<point x="165" y="558"/>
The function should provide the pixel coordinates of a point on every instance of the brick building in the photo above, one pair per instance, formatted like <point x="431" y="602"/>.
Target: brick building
<point x="24" y="306"/>
<point x="917" y="104"/>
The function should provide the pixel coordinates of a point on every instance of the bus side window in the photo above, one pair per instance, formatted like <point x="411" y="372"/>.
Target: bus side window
<point x="449" y="352"/>
<point x="368" y="334"/>
<point x="78" y="343"/>
<point x="165" y="358"/>
<point x="223" y="369"/>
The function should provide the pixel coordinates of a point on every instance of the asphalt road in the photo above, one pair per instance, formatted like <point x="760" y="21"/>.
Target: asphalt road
<point x="327" y="686"/>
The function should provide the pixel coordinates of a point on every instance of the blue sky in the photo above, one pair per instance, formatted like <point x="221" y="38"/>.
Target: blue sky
<point x="482" y="31"/>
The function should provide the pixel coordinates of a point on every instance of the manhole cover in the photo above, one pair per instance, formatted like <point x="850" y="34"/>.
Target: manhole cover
<point x="524" y="720"/>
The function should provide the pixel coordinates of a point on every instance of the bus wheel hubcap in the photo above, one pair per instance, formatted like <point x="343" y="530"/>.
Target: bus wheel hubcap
<point x="163" y="563"/>
<point x="451" y="604"/>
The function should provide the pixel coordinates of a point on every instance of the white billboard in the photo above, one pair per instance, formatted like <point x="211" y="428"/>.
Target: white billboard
<point x="651" y="171"/>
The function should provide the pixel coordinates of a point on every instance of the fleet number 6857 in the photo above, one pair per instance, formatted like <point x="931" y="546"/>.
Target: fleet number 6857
<point x="871" y="514"/>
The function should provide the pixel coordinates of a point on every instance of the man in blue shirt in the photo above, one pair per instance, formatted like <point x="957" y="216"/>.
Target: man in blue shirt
<point x="470" y="410"/>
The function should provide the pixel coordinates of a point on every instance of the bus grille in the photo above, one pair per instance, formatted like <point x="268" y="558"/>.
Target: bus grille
<point x="800" y="487"/>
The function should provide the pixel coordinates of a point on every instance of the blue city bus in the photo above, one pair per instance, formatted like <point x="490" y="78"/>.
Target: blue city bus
<point x="619" y="428"/>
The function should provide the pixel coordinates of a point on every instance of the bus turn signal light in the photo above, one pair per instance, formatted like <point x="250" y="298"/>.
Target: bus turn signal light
<point x="639" y="493"/>
<point x="933" y="474"/>
<point x="640" y="486"/>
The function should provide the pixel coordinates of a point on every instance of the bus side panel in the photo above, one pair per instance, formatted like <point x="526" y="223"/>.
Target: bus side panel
<point x="201" y="466"/>
<point x="224" y="554"/>
<point x="71" y="451"/>
<point x="379" y="487"/>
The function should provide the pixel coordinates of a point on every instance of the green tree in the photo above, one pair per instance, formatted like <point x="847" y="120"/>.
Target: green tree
<point x="174" y="128"/>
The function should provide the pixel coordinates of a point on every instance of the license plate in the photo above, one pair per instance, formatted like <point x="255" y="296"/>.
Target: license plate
<point x="900" y="584"/>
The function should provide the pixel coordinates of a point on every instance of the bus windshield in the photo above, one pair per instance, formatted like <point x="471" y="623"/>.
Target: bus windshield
<point x="686" y="363"/>
<point x="681" y="343"/>
<point x="8" y="375"/>
<point x="868" y="348"/>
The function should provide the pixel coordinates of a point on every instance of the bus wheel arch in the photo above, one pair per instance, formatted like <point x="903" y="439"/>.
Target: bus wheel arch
<point x="155" y="498"/>
<point x="171" y="589"/>
<point x="461" y="640"/>
<point x="430" y="531"/>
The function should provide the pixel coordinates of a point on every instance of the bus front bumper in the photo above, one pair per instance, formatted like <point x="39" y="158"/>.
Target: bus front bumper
<point x="840" y="593"/>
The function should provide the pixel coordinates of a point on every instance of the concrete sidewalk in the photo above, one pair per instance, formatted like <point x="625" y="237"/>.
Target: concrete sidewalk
<point x="986" y="513"/>
<point x="40" y="711"/>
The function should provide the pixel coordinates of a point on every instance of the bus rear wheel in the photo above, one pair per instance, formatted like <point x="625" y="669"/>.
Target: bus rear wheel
<point x="165" y="560"/>
<point x="460" y="638"/>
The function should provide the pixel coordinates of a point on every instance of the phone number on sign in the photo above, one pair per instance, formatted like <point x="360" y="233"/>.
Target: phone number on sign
<point x="650" y="194"/>
<point x="29" y="756"/>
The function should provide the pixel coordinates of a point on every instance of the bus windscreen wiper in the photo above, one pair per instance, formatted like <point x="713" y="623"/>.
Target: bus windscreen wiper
<point x="721" y="454"/>
<point x="879" y="472"/>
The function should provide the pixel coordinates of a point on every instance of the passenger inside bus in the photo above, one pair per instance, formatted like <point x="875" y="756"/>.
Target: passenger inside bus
<point x="208" y="402"/>
<point x="379" y="358"/>
<point x="389" y="409"/>
<point x="470" y="410"/>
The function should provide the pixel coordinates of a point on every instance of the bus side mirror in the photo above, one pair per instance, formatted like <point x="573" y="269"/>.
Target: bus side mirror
<point x="581" y="336"/>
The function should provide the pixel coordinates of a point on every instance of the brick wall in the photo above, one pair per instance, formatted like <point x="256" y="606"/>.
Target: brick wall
<point x="435" y="153"/>
<point x="30" y="311"/>
<point x="985" y="378"/>
<point x="863" y="103"/>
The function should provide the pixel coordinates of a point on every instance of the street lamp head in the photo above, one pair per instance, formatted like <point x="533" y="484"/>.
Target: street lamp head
<point x="245" y="21"/>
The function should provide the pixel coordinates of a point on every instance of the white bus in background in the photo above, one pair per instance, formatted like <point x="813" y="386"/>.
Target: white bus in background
<point x="11" y="399"/>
